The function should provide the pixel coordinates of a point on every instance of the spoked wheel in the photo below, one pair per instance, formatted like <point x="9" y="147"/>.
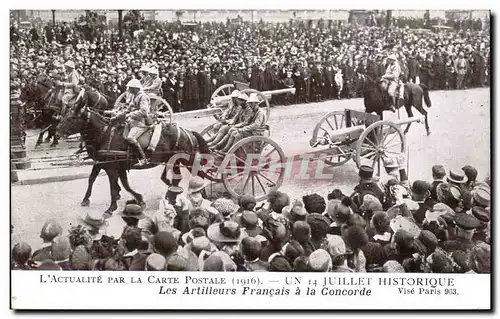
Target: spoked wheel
<point x="224" y="90"/>
<point x="208" y="131"/>
<point x="160" y="105"/>
<point x="380" y="141"/>
<point x="326" y="127"/>
<point x="263" y="101"/>
<point x="123" y="99"/>
<point x="254" y="165"/>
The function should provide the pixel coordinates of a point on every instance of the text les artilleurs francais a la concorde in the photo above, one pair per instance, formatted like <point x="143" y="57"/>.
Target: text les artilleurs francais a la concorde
<point x="289" y="285"/>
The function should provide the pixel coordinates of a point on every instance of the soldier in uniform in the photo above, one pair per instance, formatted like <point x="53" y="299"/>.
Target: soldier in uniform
<point x="228" y="118"/>
<point x="137" y="115"/>
<point x="391" y="75"/>
<point x="465" y="226"/>
<point x="71" y="80"/>
<point x="154" y="83"/>
<point x="368" y="185"/>
<point x="252" y="123"/>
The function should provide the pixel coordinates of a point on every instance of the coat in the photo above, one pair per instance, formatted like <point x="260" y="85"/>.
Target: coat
<point x="191" y="90"/>
<point x="204" y="86"/>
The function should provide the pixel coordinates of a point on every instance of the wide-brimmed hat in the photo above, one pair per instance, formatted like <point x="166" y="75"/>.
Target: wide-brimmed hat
<point x="70" y="64"/>
<point x="392" y="57"/>
<point x="224" y="206"/>
<point x="175" y="190"/>
<point x="482" y="196"/>
<point x="228" y="231"/>
<point x="133" y="211"/>
<point x="196" y="184"/>
<point x="235" y="94"/>
<point x="253" y="98"/>
<point x="249" y="221"/>
<point x="93" y="219"/>
<point x="457" y="176"/>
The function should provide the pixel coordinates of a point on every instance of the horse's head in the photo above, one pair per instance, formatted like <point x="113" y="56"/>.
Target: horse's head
<point x="36" y="91"/>
<point x="73" y="120"/>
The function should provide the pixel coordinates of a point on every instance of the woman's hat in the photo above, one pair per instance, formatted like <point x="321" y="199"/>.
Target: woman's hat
<point x="133" y="211"/>
<point x="196" y="184"/>
<point x="228" y="231"/>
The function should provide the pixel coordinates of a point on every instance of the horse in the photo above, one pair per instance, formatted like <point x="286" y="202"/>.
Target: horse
<point x="377" y="99"/>
<point x="104" y="140"/>
<point x="43" y="95"/>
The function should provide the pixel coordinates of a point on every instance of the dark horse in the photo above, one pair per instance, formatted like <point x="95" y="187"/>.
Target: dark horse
<point x="377" y="99"/>
<point x="106" y="141"/>
<point x="43" y="94"/>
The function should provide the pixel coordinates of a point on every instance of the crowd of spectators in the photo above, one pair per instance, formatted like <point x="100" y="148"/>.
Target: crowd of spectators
<point x="441" y="226"/>
<point x="323" y="60"/>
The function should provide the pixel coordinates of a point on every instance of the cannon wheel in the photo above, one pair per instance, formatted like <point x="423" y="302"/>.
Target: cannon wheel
<point x="327" y="126"/>
<point x="223" y="90"/>
<point x="208" y="131"/>
<point x="264" y="103"/>
<point x="160" y="104"/>
<point x="380" y="140"/>
<point x="257" y="176"/>
<point x="120" y="100"/>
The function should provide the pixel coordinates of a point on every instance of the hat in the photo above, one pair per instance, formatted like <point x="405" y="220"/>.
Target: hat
<point x="426" y="242"/>
<point x="253" y="98"/>
<point x="374" y="254"/>
<point x="155" y="262"/>
<point x="370" y="203"/>
<point x="392" y="57"/>
<point x="481" y="214"/>
<point x="466" y="221"/>
<point x="390" y="162"/>
<point x="319" y="224"/>
<point x="420" y="190"/>
<point x="61" y="248"/>
<point x="198" y="244"/>
<point x="182" y="260"/>
<point x="335" y="246"/>
<point x="195" y="232"/>
<point x="153" y="71"/>
<point x="50" y="230"/>
<point x="164" y="243"/>
<point x="319" y="261"/>
<point x="134" y="211"/>
<point x="70" y="64"/>
<point x="314" y="203"/>
<point x="196" y="184"/>
<point x="80" y="258"/>
<point x="295" y="212"/>
<point x="93" y="219"/>
<point x="246" y="199"/>
<point x="457" y="176"/>
<point x="134" y="83"/>
<point x="365" y="172"/>
<point x="446" y="192"/>
<point x="175" y="190"/>
<point x="224" y="206"/>
<point x="481" y="196"/>
<point x="278" y="263"/>
<point x="235" y="94"/>
<point x="480" y="257"/>
<point x="219" y="261"/>
<point x="49" y="265"/>
<point x="228" y="231"/>
<point x="243" y="97"/>
<point x="392" y="266"/>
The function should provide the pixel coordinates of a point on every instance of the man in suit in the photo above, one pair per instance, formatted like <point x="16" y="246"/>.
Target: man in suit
<point x="169" y="88"/>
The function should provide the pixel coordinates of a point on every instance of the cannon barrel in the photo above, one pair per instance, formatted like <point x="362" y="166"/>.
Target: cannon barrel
<point x="218" y="100"/>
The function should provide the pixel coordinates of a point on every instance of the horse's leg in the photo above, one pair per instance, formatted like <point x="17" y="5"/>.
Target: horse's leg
<point x="53" y="133"/>
<point x="93" y="175"/>
<point x="40" y="139"/>
<point x="124" y="180"/>
<point x="424" y="113"/>
<point x="113" y="186"/>
<point x="410" y="114"/>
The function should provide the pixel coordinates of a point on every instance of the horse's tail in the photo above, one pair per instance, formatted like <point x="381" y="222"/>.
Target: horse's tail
<point x="427" y="98"/>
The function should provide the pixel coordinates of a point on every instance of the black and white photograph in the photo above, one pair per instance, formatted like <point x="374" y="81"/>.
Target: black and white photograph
<point x="193" y="144"/>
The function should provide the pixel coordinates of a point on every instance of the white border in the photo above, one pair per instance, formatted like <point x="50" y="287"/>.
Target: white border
<point x="187" y="4"/>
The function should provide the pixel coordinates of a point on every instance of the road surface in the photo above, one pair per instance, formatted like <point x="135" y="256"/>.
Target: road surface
<point x="459" y="120"/>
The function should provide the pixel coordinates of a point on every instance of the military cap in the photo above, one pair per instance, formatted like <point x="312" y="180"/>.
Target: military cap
<point x="466" y="221"/>
<point x="365" y="172"/>
<point x="175" y="190"/>
<point x="480" y="213"/>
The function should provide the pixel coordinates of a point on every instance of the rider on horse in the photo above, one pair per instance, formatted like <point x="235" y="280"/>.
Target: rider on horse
<point x="228" y="118"/>
<point x="70" y="82"/>
<point x="154" y="83"/>
<point x="252" y="121"/>
<point x="137" y="114"/>
<point x="391" y="78"/>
